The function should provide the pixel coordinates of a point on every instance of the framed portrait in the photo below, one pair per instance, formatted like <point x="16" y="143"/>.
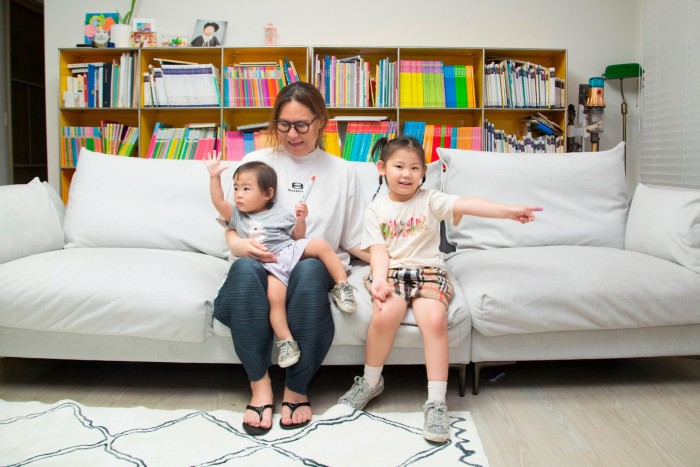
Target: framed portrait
<point x="97" y="27"/>
<point x="144" y="25"/>
<point x="209" y="33"/>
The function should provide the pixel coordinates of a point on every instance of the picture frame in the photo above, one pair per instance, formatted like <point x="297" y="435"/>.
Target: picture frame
<point x="143" y="39"/>
<point x="143" y="25"/>
<point x="209" y="33"/>
<point x="96" y="29"/>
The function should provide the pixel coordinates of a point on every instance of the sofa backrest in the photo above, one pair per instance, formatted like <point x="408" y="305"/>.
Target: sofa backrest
<point x="143" y="203"/>
<point x="583" y="196"/>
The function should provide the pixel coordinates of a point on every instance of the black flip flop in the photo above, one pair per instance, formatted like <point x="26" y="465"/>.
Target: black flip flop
<point x="256" y="430"/>
<point x="292" y="406"/>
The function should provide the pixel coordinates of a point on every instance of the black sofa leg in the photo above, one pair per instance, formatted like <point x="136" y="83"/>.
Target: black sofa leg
<point x="477" y="372"/>
<point x="462" y="380"/>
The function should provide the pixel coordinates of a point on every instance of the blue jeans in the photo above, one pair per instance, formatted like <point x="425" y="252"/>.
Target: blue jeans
<point x="242" y="305"/>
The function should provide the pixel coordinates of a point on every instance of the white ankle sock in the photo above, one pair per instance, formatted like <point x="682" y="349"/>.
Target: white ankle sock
<point x="437" y="391"/>
<point x="373" y="374"/>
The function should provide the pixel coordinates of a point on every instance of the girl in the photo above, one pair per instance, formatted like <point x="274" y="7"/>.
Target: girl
<point x="276" y="230"/>
<point x="402" y="233"/>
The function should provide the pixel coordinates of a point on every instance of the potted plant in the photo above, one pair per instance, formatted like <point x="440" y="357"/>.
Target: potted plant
<point x="121" y="33"/>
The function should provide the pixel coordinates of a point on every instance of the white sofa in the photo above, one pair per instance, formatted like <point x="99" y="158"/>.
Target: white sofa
<point x="130" y="271"/>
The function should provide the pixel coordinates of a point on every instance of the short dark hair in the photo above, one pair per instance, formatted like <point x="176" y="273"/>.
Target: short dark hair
<point x="266" y="176"/>
<point x="307" y="95"/>
<point x="212" y="24"/>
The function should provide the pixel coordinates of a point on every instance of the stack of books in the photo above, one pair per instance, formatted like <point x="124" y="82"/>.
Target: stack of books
<point x="181" y="85"/>
<point x="361" y="136"/>
<point x="109" y="138"/>
<point x="495" y="140"/>
<point x="347" y="82"/>
<point x="245" y="139"/>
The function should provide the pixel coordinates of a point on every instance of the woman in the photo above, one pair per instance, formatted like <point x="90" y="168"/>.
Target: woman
<point x="299" y="118"/>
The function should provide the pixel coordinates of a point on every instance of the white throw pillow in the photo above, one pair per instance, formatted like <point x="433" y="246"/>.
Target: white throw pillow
<point x="583" y="196"/>
<point x="56" y="200"/>
<point x="665" y="222"/>
<point x="30" y="223"/>
<point x="143" y="203"/>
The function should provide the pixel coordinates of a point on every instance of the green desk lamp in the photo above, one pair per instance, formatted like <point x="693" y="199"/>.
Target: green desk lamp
<point x="622" y="71"/>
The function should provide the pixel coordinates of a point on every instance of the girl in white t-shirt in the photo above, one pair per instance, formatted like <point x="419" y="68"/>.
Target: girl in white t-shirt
<point x="402" y="234"/>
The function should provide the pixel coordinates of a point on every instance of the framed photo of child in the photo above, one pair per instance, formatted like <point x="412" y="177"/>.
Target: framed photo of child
<point x="209" y="33"/>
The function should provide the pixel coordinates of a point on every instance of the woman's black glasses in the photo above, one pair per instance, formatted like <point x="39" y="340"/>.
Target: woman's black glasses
<point x="300" y="127"/>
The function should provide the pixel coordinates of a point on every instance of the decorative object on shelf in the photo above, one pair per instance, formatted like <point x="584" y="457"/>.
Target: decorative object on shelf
<point x="174" y="40"/>
<point x="143" y="39"/>
<point x="595" y="105"/>
<point x="209" y="33"/>
<point x="98" y="28"/>
<point x="270" y="34"/>
<point x="144" y="25"/>
<point x="121" y="34"/>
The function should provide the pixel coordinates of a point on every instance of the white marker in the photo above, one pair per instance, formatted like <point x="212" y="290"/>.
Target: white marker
<point x="307" y="190"/>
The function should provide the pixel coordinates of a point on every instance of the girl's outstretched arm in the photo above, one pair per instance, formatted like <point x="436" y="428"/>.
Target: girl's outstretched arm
<point x="483" y="208"/>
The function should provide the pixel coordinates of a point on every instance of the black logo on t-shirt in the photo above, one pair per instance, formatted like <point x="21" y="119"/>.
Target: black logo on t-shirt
<point x="296" y="187"/>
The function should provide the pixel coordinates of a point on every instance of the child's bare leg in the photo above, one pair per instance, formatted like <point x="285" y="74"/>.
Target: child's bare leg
<point x="431" y="317"/>
<point x="382" y="329"/>
<point x="319" y="248"/>
<point x="277" y="296"/>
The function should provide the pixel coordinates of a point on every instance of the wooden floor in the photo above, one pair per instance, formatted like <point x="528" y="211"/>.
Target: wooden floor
<point x="637" y="412"/>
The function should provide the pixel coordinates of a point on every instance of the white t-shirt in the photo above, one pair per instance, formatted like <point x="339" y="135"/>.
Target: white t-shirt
<point x="410" y="229"/>
<point x="336" y="206"/>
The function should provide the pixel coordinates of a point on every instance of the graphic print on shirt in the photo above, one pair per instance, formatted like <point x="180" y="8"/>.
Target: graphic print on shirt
<point x="256" y="231"/>
<point x="400" y="228"/>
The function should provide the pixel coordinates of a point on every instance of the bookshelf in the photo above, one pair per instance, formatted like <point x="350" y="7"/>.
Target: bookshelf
<point x="385" y="99"/>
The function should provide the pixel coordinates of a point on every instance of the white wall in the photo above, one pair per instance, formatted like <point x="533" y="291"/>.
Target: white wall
<point x="596" y="33"/>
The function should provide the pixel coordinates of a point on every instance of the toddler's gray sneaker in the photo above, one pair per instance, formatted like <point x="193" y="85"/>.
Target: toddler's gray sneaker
<point x="360" y="393"/>
<point x="344" y="297"/>
<point x="289" y="353"/>
<point x="436" y="427"/>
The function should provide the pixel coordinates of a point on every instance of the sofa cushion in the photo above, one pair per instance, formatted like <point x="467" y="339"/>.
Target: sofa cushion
<point x="30" y="221"/>
<point x="665" y="222"/>
<point x="351" y="328"/>
<point x="153" y="294"/>
<point x="571" y="288"/>
<point x="583" y="196"/>
<point x="143" y="203"/>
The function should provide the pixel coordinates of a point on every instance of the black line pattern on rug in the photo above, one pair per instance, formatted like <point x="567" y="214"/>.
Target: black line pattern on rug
<point x="278" y="445"/>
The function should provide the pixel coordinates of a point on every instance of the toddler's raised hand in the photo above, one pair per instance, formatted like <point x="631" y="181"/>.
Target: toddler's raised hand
<point x="213" y="163"/>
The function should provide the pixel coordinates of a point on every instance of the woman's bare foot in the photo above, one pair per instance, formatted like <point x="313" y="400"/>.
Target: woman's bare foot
<point x="301" y="414"/>
<point x="262" y="395"/>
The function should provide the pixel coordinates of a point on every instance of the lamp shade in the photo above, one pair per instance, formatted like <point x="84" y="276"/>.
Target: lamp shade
<point x="623" y="70"/>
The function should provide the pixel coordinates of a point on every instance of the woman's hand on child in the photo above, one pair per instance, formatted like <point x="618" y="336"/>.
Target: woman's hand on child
<point x="524" y="214"/>
<point x="213" y="163"/>
<point x="249" y="248"/>
<point x="301" y="210"/>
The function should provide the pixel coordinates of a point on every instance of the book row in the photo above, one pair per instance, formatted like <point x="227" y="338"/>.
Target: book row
<point x="257" y="84"/>
<point x="495" y="140"/>
<point x="443" y="136"/>
<point x="102" y="84"/>
<point x="512" y="84"/>
<point x="348" y="82"/>
<point x="430" y="83"/>
<point x="181" y="85"/>
<point x="108" y="138"/>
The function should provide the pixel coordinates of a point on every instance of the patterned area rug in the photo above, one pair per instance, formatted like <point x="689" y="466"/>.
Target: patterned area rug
<point x="68" y="433"/>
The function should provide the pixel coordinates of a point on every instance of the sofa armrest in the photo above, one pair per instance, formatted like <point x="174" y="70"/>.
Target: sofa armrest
<point x="665" y="222"/>
<point x="30" y="221"/>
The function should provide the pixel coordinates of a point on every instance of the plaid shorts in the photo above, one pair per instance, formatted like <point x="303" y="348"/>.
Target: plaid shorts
<point x="418" y="283"/>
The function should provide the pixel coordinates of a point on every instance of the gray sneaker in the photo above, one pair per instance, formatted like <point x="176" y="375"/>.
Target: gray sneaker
<point x="289" y="353"/>
<point x="344" y="297"/>
<point x="436" y="427"/>
<point x="360" y="393"/>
